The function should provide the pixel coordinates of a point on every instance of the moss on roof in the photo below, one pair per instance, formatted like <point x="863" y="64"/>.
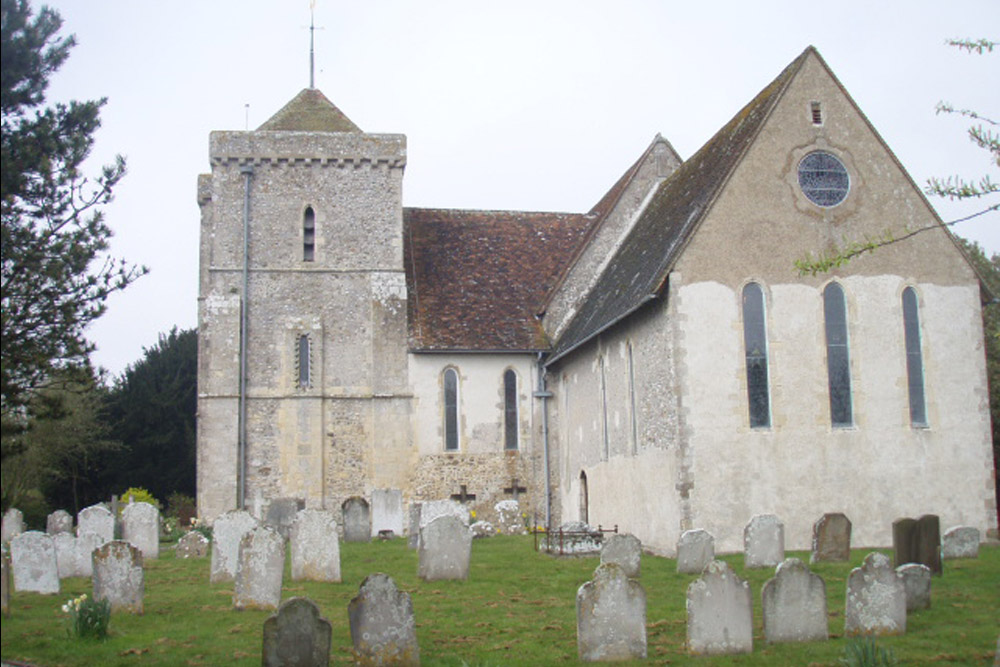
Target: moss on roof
<point x="309" y="111"/>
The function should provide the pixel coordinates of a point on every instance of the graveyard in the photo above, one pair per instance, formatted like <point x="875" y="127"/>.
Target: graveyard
<point x="516" y="607"/>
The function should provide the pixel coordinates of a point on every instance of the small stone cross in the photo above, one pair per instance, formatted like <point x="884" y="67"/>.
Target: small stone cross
<point x="514" y="489"/>
<point x="463" y="496"/>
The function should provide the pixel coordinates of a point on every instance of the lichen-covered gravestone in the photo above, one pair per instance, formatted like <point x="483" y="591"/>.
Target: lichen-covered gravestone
<point x="626" y="551"/>
<point x="383" y="629"/>
<point x="297" y="636"/>
<point x="794" y="604"/>
<point x="917" y="584"/>
<point x="86" y="544"/>
<point x="763" y="541"/>
<point x="876" y="599"/>
<point x="13" y="525"/>
<point x="831" y="540"/>
<point x="509" y="519"/>
<point x="387" y="511"/>
<point x="315" y="547"/>
<point x="192" y="545"/>
<point x="260" y="570"/>
<point x="918" y="541"/>
<point x="59" y="521"/>
<point x="611" y="616"/>
<point x="96" y="519"/>
<point x="141" y="528"/>
<point x="445" y="549"/>
<point x="281" y="514"/>
<point x="719" y="612"/>
<point x="33" y="560"/>
<point x="961" y="542"/>
<point x="66" y="555"/>
<point x="227" y="531"/>
<point x="695" y="550"/>
<point x="357" y="520"/>
<point x="119" y="577"/>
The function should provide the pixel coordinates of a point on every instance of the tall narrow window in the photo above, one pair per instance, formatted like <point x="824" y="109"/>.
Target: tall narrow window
<point x="309" y="235"/>
<point x="755" y="346"/>
<point x="838" y="360"/>
<point x="914" y="358"/>
<point x="450" y="409"/>
<point x="510" y="422"/>
<point x="304" y="361"/>
<point x="584" y="498"/>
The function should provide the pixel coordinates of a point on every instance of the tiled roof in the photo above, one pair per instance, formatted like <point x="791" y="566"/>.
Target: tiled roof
<point x="309" y="111"/>
<point x="639" y="269"/>
<point x="476" y="278"/>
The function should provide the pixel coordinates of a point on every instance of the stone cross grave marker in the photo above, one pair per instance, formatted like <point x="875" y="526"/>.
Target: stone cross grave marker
<point x="917" y="585"/>
<point x="119" y="577"/>
<point x="281" y="514"/>
<point x="625" y="550"/>
<point x="33" y="560"/>
<point x="192" y="545"/>
<point x="515" y="489"/>
<point x="260" y="570"/>
<point x="383" y="629"/>
<point x="763" y="541"/>
<point x="315" y="547"/>
<point x="961" y="542"/>
<point x="357" y="520"/>
<point x="227" y="531"/>
<point x="719" y="612"/>
<point x="831" y="540"/>
<point x="96" y="519"/>
<point x="12" y="526"/>
<point x="86" y="545"/>
<point x="387" y="511"/>
<point x="695" y="550"/>
<point x="463" y="495"/>
<point x="794" y="604"/>
<point x="611" y="616"/>
<point x="297" y="636"/>
<point x="876" y="599"/>
<point x="141" y="528"/>
<point x="59" y="521"/>
<point x="918" y="541"/>
<point x="445" y="549"/>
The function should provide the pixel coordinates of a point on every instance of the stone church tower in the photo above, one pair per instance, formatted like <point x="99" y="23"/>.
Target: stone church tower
<point x="303" y="383"/>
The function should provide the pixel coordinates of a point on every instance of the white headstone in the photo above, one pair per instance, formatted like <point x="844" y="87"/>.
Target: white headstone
<point x="611" y="616"/>
<point x="509" y="519"/>
<point x="261" y="570"/>
<point x="445" y="549"/>
<point x="33" y="561"/>
<point x="96" y="519"/>
<point x="876" y="599"/>
<point x="141" y="528"/>
<point x="961" y="542"/>
<point x="695" y="550"/>
<point x="624" y="550"/>
<point x="66" y="557"/>
<point x="794" y="604"/>
<point x="719" y="612"/>
<point x="13" y="525"/>
<point x="387" y="511"/>
<point x="119" y="577"/>
<point x="315" y="546"/>
<point x="917" y="584"/>
<point x="763" y="541"/>
<point x="383" y="629"/>
<point x="59" y="521"/>
<point x="86" y="545"/>
<point x="227" y="531"/>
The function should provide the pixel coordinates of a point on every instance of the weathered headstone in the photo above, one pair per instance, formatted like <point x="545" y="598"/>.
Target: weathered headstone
<point x="66" y="555"/>
<point x="611" y="616"/>
<point x="387" y="511"/>
<point x="33" y="560"/>
<point x="509" y="519"/>
<point x="297" y="636"/>
<point x="413" y="530"/>
<point x="445" y="549"/>
<point x="876" y="599"/>
<point x="59" y="521"/>
<point x="227" y="531"/>
<point x="12" y="526"/>
<point x="383" y="629"/>
<point x="961" y="542"/>
<point x="96" y="519"/>
<point x="315" y="546"/>
<point x="763" y="541"/>
<point x="918" y="541"/>
<point x="831" y="540"/>
<point x="794" y="604"/>
<point x="719" y="612"/>
<point x="281" y="514"/>
<point x="432" y="509"/>
<point x="4" y="584"/>
<point x="141" y="528"/>
<point x="695" y="550"/>
<point x="192" y="545"/>
<point x="917" y="585"/>
<point x="625" y="550"/>
<point x="357" y="520"/>
<point x="86" y="545"/>
<point x="260" y="570"/>
<point x="119" y="577"/>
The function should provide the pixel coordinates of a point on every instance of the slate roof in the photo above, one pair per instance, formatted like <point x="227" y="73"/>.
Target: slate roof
<point x="309" y="111"/>
<point x="476" y="278"/>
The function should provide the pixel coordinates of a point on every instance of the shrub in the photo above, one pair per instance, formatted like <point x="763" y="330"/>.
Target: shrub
<point x="182" y="507"/>
<point x="138" y="495"/>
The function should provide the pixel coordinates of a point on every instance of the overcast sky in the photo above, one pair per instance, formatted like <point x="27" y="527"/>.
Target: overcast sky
<point x="507" y="105"/>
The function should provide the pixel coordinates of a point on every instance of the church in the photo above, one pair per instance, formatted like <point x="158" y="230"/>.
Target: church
<point x="655" y="363"/>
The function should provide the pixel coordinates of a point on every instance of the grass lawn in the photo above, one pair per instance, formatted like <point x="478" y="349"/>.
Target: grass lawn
<point x="517" y="608"/>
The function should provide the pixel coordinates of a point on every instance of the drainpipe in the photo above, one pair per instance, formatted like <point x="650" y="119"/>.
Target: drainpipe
<point x="241" y="448"/>
<point x="543" y="394"/>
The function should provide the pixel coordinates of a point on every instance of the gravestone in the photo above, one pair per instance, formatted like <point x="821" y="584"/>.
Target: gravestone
<point x="719" y="612"/>
<point x="86" y="544"/>
<point x="141" y="528"/>
<point x="297" y="636"/>
<point x="66" y="555"/>
<point x="413" y="530"/>
<point x="763" y="541"/>
<point x="876" y="599"/>
<point x="4" y="584"/>
<point x="961" y="542"/>
<point x="227" y="531"/>
<point x="918" y="541"/>
<point x="624" y="550"/>
<point x="383" y="629"/>
<point x="917" y="585"/>
<point x="281" y="514"/>
<point x="59" y="521"/>
<point x="794" y="604"/>
<point x="119" y="577"/>
<point x="33" y="561"/>
<point x="509" y="519"/>
<point x="192" y="545"/>
<point x="96" y="519"/>
<point x="260" y="570"/>
<point x="387" y="511"/>
<point x="432" y="509"/>
<point x="611" y="616"/>
<point x="357" y="520"/>
<point x="13" y="525"/>
<point x="445" y="549"/>
<point x="695" y="550"/>
<point x="831" y="541"/>
<point x="315" y="546"/>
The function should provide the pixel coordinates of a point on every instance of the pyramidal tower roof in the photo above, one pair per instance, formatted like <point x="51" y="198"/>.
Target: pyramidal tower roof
<point x="309" y="111"/>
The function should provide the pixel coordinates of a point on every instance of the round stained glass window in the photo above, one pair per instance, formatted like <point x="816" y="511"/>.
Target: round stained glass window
<point x="824" y="179"/>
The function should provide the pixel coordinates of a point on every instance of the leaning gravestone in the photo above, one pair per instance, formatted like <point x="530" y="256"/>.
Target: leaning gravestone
<point x="763" y="541"/>
<point x="413" y="530"/>
<point x="13" y="525"/>
<point x="876" y="599"/>
<point x="624" y="550"/>
<point x="297" y="636"/>
<point x="383" y="629"/>
<point x="961" y="542"/>
<point x="281" y="514"/>
<point x="719" y="612"/>
<point x="33" y="560"/>
<point x="509" y="519"/>
<point x="831" y="541"/>
<point x="445" y="549"/>
<point x="695" y="550"/>
<point x="357" y="520"/>
<point x="66" y="556"/>
<point x="260" y="570"/>
<point x="918" y="541"/>
<point x="315" y="546"/>
<point x="59" y="521"/>
<point x="794" y="604"/>
<point x="611" y="616"/>
<point x="96" y="519"/>
<point x="141" y="528"/>
<point x="387" y="511"/>
<point x="119" y="577"/>
<point x="227" y="531"/>
<point x="86" y="545"/>
<point x="192" y="545"/>
<point x="917" y="584"/>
